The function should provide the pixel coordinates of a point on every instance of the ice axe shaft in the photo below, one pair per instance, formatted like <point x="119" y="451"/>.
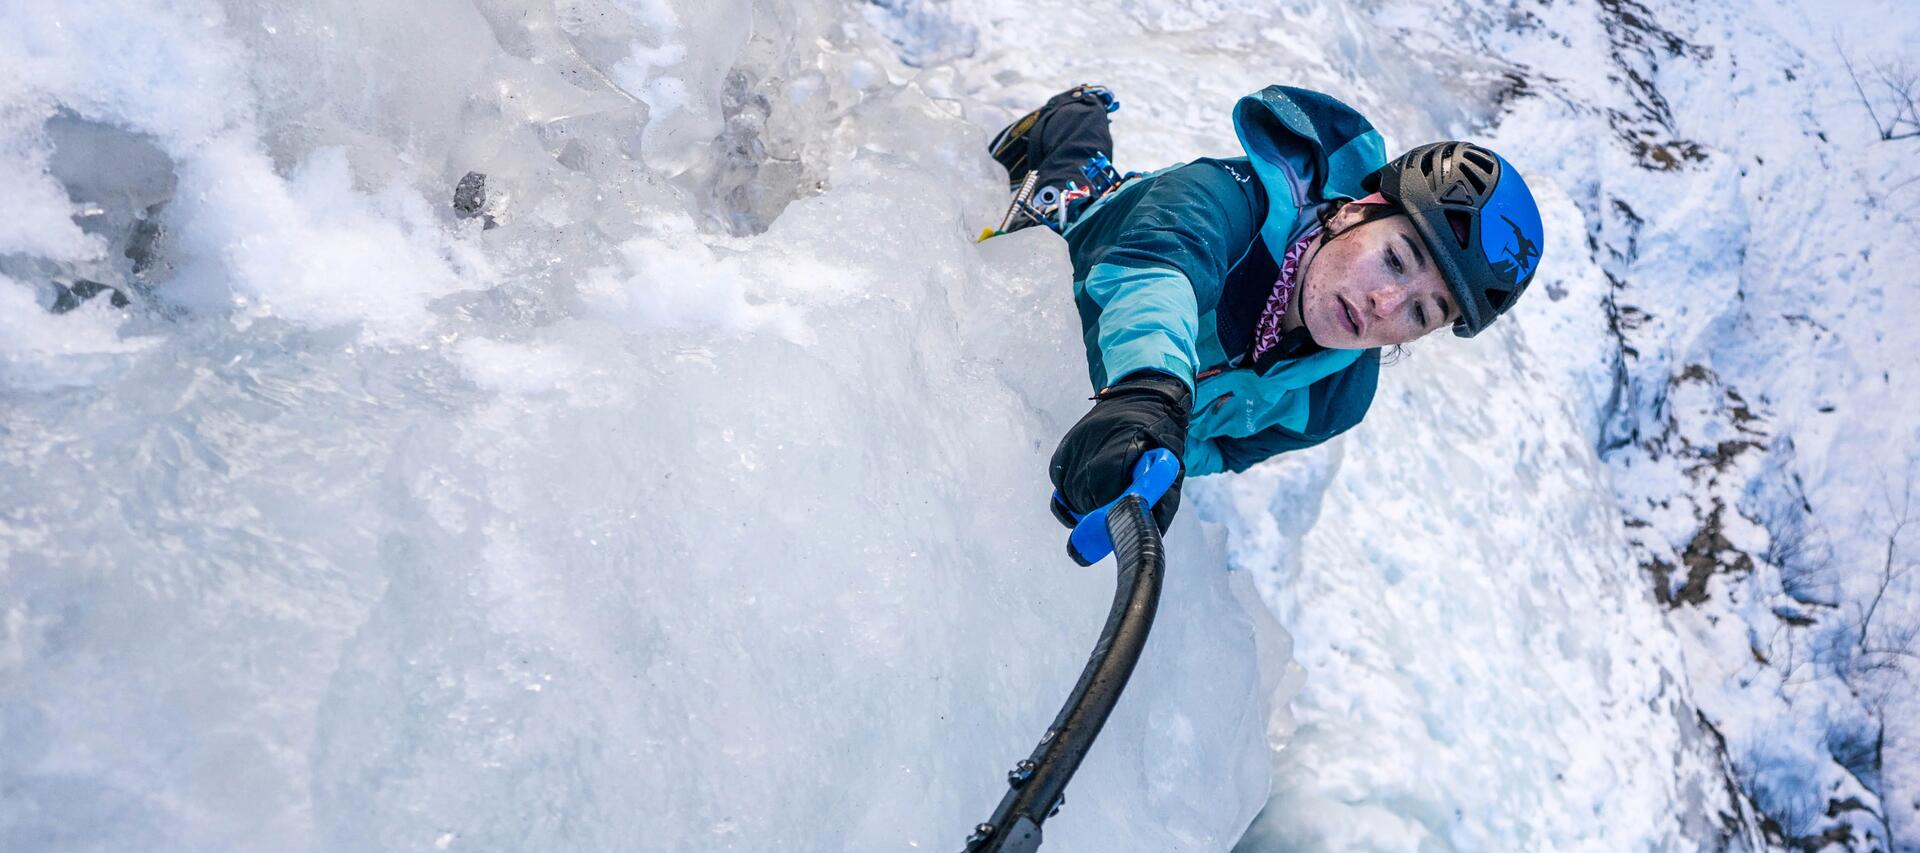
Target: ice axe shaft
<point x="1037" y="785"/>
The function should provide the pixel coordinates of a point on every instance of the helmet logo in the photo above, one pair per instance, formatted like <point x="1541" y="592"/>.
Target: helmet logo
<point x="1517" y="256"/>
<point x="1512" y="253"/>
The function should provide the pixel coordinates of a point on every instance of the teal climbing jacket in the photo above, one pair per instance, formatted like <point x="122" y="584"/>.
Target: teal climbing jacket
<point x="1154" y="257"/>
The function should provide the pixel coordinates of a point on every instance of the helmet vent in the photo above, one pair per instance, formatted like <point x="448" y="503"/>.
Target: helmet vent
<point x="1462" y="224"/>
<point x="1431" y="162"/>
<point x="1498" y="298"/>
<point x="1473" y="177"/>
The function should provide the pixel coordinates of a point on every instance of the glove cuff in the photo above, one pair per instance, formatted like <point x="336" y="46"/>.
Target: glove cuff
<point x="1156" y="383"/>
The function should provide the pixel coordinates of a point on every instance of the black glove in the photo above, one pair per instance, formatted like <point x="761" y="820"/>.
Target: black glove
<point x="1094" y="462"/>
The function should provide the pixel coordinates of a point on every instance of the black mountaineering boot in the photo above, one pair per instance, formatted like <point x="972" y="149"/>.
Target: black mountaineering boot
<point x="1062" y="134"/>
<point x="1009" y="147"/>
<point x="1045" y="153"/>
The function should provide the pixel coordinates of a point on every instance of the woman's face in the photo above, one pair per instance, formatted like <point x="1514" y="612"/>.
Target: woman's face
<point x="1374" y="285"/>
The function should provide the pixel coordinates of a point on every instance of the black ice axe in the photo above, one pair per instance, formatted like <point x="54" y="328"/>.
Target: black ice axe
<point x="1036" y="787"/>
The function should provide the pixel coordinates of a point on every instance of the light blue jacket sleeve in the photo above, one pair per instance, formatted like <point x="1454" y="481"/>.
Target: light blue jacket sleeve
<point x="1150" y="263"/>
<point x="1147" y="320"/>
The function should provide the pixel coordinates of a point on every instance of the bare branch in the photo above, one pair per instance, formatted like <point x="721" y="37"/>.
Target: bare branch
<point x="1902" y="185"/>
<point x="1864" y="100"/>
<point x="1900" y="79"/>
<point x="1901" y="82"/>
<point x="1888" y="574"/>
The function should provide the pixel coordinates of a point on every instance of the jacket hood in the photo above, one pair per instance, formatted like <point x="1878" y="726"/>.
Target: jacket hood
<point x="1306" y="148"/>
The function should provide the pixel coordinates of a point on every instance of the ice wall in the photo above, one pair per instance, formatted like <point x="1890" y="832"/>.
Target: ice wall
<point x="698" y="505"/>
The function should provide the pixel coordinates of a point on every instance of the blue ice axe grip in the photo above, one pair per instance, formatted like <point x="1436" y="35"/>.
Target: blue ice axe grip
<point x="1152" y="476"/>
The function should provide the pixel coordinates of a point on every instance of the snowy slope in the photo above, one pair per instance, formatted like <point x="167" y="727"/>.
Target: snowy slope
<point x="1758" y="281"/>
<point x="697" y="505"/>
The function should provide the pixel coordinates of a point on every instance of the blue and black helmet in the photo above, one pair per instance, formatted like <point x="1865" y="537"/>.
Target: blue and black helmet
<point x="1477" y="217"/>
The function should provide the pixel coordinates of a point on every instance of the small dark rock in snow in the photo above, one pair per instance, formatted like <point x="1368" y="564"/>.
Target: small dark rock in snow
<point x="140" y="244"/>
<point x="470" y="198"/>
<point x="71" y="296"/>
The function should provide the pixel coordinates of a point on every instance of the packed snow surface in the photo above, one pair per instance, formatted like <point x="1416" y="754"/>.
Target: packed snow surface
<point x="686" y="491"/>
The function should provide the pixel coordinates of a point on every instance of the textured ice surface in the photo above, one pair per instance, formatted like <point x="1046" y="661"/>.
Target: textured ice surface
<point x="603" y="529"/>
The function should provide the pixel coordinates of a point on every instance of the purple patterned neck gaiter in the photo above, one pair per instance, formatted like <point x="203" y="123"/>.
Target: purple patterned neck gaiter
<point x="1267" y="332"/>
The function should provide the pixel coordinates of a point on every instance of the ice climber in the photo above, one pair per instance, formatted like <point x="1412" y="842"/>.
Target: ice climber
<point x="1235" y="308"/>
